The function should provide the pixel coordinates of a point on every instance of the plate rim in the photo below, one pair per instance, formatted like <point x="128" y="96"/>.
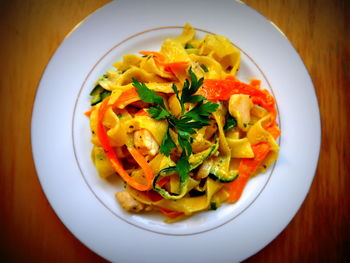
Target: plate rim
<point x="75" y="116"/>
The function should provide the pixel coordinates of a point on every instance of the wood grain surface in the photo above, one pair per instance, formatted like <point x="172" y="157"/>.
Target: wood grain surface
<point x="31" y="31"/>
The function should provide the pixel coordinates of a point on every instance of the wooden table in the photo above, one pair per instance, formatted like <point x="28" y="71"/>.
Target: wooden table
<point x="32" y="30"/>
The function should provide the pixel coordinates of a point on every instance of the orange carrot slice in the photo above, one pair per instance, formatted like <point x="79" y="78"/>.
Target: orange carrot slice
<point x="158" y="57"/>
<point x="246" y="169"/>
<point x="110" y="153"/>
<point x="140" y="159"/>
<point x="222" y="89"/>
<point x="176" y="67"/>
<point x="127" y="97"/>
<point x="274" y="130"/>
<point x="142" y="112"/>
<point x="170" y="213"/>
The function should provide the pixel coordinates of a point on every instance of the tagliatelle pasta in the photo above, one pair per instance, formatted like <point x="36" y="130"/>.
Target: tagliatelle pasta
<point x="179" y="128"/>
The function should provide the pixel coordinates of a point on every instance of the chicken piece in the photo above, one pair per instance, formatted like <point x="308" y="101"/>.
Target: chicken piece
<point x="239" y="107"/>
<point x="128" y="202"/>
<point x="145" y="143"/>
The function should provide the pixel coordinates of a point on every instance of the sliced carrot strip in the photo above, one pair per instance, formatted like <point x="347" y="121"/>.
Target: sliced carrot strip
<point x="162" y="181"/>
<point x="170" y="213"/>
<point x="140" y="159"/>
<point x="110" y="153"/>
<point x="153" y="196"/>
<point x="158" y="57"/>
<point x="88" y="113"/>
<point x="173" y="67"/>
<point x="246" y="169"/>
<point x="216" y="89"/>
<point x="127" y="97"/>
<point x="274" y="130"/>
<point x="255" y="83"/>
<point x="142" y="112"/>
<point x="176" y="67"/>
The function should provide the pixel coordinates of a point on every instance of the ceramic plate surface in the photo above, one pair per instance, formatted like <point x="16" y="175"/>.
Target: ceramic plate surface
<point x="86" y="204"/>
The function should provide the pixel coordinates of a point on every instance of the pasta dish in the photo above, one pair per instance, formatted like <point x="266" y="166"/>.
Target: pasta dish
<point x="182" y="132"/>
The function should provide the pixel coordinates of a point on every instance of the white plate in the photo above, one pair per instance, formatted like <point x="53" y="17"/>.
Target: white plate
<point x="85" y="203"/>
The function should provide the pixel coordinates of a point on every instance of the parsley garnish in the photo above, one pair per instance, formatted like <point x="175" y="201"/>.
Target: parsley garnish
<point x="167" y="144"/>
<point x="231" y="122"/>
<point x="147" y="95"/>
<point x="186" y="124"/>
<point x="188" y="45"/>
<point x="213" y="206"/>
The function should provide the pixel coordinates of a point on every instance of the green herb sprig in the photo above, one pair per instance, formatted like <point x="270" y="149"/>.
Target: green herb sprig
<point x="231" y="122"/>
<point x="186" y="124"/>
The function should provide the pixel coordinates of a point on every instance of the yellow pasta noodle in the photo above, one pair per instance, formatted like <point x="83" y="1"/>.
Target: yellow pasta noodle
<point x="179" y="128"/>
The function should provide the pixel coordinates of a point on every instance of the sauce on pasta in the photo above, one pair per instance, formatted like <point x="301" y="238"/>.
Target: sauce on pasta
<point x="182" y="132"/>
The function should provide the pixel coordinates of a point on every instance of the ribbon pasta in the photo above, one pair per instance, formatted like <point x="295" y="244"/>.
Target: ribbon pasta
<point x="238" y="142"/>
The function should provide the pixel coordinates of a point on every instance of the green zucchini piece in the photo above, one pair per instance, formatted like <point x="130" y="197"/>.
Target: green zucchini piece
<point x="105" y="94"/>
<point x="184" y="185"/>
<point x="221" y="172"/>
<point x="223" y="178"/>
<point x="96" y="90"/>
<point x="199" y="158"/>
<point x="163" y="192"/>
<point x="98" y="94"/>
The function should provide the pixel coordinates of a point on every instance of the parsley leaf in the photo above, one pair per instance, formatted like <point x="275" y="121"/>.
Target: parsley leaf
<point x="183" y="167"/>
<point x="190" y="88"/>
<point x="184" y="141"/>
<point x="147" y="95"/>
<point x="158" y="113"/>
<point x="188" y="45"/>
<point x="167" y="144"/>
<point x="231" y="122"/>
<point x="213" y="206"/>
<point x="201" y="112"/>
<point x="178" y="98"/>
<point x="186" y="124"/>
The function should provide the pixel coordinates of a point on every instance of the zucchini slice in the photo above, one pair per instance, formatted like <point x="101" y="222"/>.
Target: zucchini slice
<point x="197" y="159"/>
<point x="223" y="178"/>
<point x="163" y="192"/>
<point x="221" y="172"/>
<point x="98" y="94"/>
